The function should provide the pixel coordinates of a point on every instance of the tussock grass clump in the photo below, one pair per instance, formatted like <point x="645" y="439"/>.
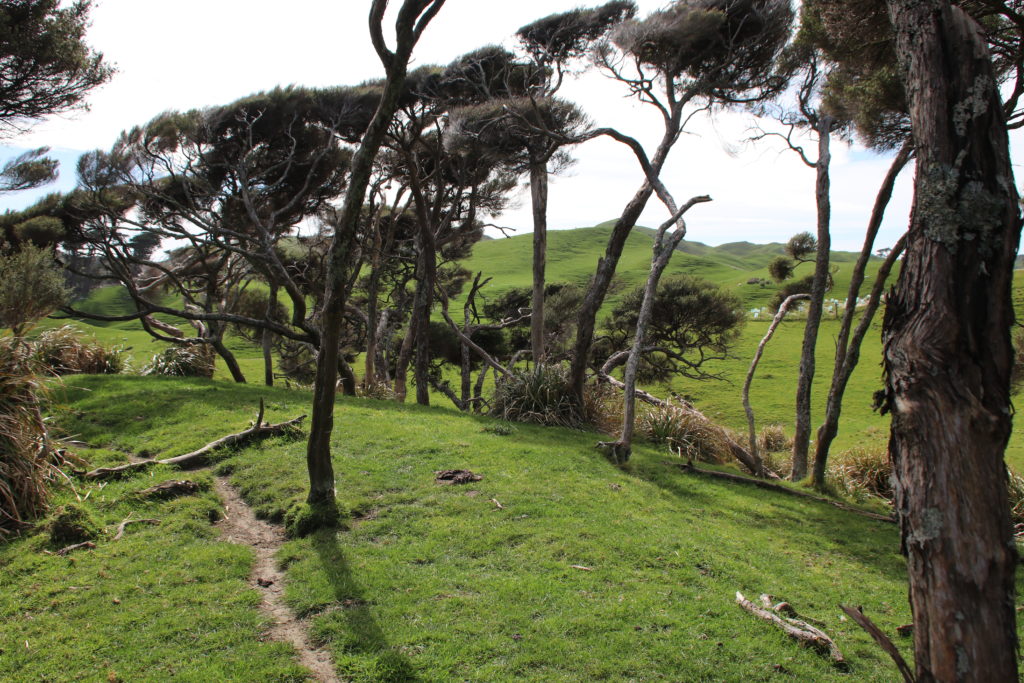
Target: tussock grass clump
<point x="24" y="463"/>
<point x="71" y="524"/>
<point x="182" y="361"/>
<point x="684" y="432"/>
<point x="540" y="396"/>
<point x="862" y="473"/>
<point x="1015" y="489"/>
<point x="63" y="351"/>
<point x="380" y="391"/>
<point x="773" y="439"/>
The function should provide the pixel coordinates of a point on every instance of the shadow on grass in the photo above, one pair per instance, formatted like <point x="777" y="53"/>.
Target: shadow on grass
<point x="360" y="647"/>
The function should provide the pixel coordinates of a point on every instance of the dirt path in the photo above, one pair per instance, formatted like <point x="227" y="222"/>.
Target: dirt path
<point x="241" y="526"/>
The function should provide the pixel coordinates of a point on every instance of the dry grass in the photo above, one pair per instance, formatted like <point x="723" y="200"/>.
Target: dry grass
<point x="182" y="361"/>
<point x="773" y="439"/>
<point x="862" y="473"/>
<point x="63" y="351"/>
<point x="684" y="432"/>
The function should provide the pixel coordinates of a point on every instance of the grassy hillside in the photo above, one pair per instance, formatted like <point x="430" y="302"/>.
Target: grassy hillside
<point x="433" y="582"/>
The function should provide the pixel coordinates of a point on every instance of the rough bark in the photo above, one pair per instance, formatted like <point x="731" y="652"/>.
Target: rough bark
<point x="539" y="201"/>
<point x="267" y="341"/>
<point x="802" y="426"/>
<point x="948" y="354"/>
<point x="413" y="17"/>
<point x="845" y="347"/>
<point x="751" y="431"/>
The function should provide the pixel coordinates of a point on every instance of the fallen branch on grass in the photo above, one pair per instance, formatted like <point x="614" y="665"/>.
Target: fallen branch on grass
<point x="128" y="520"/>
<point x="170" y="489"/>
<point x="807" y="635"/>
<point x="761" y="483"/>
<point x="77" y="546"/>
<point x="882" y="640"/>
<point x="258" y="430"/>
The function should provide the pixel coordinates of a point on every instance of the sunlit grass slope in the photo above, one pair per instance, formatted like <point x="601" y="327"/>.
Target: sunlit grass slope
<point x="584" y="572"/>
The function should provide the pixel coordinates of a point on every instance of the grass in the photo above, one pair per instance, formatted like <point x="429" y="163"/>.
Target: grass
<point x="434" y="582"/>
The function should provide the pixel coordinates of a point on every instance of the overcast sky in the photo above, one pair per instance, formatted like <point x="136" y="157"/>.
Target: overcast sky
<point x="195" y="53"/>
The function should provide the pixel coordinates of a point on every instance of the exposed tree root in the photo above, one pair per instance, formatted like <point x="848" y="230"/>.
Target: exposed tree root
<point x="882" y="640"/>
<point x="87" y="545"/>
<point x="258" y="430"/>
<point x="128" y="520"/>
<point x="170" y="489"/>
<point x="761" y="483"/>
<point x="798" y="629"/>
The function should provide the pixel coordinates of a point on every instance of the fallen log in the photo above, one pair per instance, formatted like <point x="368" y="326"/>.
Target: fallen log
<point x="128" y="520"/>
<point x="258" y="430"/>
<point x="169" y="489"/>
<point x="761" y="483"/>
<point x="804" y="633"/>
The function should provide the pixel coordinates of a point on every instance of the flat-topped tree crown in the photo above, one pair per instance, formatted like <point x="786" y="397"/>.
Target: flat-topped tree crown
<point x="558" y="38"/>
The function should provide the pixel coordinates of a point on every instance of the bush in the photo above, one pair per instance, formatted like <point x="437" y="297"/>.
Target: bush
<point x="862" y="473"/>
<point x="62" y="351"/>
<point x="541" y="396"/>
<point x="684" y="432"/>
<point x="31" y="286"/>
<point x="773" y="439"/>
<point x="182" y="361"/>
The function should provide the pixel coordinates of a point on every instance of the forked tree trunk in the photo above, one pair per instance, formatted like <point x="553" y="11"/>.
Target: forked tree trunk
<point x="802" y="428"/>
<point x="847" y="349"/>
<point x="948" y="354"/>
<point x="539" y="201"/>
<point x="413" y="17"/>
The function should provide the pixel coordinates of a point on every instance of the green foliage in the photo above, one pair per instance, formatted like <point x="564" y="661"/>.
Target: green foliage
<point x="31" y="286"/>
<point x="559" y="37"/>
<point x="182" y="361"/>
<point x="28" y="170"/>
<point x="64" y="350"/>
<point x="801" y="286"/>
<point x="692" y="321"/>
<point x="44" y="61"/>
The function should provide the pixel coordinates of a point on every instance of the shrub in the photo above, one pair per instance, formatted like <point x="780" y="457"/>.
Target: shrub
<point x="773" y="439"/>
<point x="63" y="351"/>
<point x="693" y="437"/>
<point x="541" y="396"/>
<point x="31" y="286"/>
<point x="862" y="472"/>
<point x="182" y="361"/>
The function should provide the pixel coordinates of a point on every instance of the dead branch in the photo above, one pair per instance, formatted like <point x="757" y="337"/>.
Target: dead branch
<point x="882" y="640"/>
<point x="807" y="635"/>
<point x="170" y="489"/>
<point x="128" y="520"/>
<point x="761" y="483"/>
<point x="77" y="546"/>
<point x="258" y="430"/>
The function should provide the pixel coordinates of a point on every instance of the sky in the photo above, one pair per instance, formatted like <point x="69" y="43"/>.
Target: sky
<point x="197" y="53"/>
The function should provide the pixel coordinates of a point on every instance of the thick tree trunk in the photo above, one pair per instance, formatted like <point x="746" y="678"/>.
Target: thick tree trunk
<point x="802" y="427"/>
<point x="847" y="350"/>
<point x="948" y="354"/>
<point x="539" y="200"/>
<point x="421" y="321"/>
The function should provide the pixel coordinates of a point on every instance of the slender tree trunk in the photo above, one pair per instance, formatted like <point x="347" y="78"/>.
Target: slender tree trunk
<point x="421" y="319"/>
<point x="948" y="354"/>
<point x="661" y="253"/>
<point x="267" y="341"/>
<point x="539" y="200"/>
<point x="844" y="346"/>
<point x="751" y="431"/>
<point x="404" y="358"/>
<point x="802" y="431"/>
<point x="348" y="377"/>
<point x="478" y="389"/>
<point x="830" y="427"/>
<point x="413" y="16"/>
<point x="229" y="358"/>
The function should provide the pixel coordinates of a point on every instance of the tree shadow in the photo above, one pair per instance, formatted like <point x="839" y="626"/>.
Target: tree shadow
<point x="354" y="630"/>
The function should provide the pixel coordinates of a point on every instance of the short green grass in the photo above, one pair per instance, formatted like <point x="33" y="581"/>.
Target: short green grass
<point x="433" y="582"/>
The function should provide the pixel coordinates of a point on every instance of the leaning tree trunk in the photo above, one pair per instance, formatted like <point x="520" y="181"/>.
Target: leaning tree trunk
<point x="847" y="350"/>
<point x="802" y="428"/>
<point x="948" y="354"/>
<point x="539" y="201"/>
<point x="413" y="17"/>
<point x="267" y="340"/>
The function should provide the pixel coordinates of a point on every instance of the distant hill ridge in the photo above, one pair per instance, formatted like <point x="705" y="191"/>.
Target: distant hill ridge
<point x="572" y="257"/>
